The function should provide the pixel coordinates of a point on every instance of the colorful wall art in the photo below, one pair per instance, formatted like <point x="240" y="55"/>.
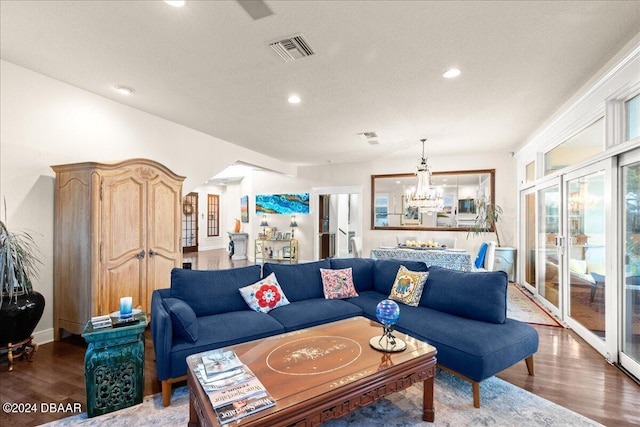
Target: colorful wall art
<point x="244" y="208"/>
<point x="285" y="204"/>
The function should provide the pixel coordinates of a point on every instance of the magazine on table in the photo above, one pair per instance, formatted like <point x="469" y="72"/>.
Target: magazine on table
<point x="233" y="389"/>
<point x="242" y="391"/>
<point x="241" y="408"/>
<point x="217" y="361"/>
<point x="224" y="379"/>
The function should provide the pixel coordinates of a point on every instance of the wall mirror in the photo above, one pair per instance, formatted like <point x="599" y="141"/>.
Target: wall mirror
<point x="451" y="204"/>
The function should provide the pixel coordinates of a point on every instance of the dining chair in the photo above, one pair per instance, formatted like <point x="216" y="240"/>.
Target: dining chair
<point x="356" y="246"/>
<point x="598" y="284"/>
<point x="485" y="260"/>
<point x="449" y="242"/>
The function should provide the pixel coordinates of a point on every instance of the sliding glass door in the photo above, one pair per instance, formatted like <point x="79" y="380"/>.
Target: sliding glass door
<point x="630" y="265"/>
<point x="549" y="261"/>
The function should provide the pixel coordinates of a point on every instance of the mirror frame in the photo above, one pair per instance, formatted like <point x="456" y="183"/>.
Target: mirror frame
<point x="492" y="185"/>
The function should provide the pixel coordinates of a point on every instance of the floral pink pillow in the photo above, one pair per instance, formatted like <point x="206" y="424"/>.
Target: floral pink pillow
<point x="338" y="283"/>
<point x="264" y="295"/>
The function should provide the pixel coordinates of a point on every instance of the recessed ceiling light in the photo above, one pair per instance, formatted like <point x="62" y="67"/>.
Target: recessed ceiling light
<point x="294" y="99"/>
<point x="124" y="90"/>
<point x="451" y="73"/>
<point x="175" y="3"/>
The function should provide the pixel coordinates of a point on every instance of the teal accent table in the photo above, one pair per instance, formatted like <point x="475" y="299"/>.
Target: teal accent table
<point x="114" y="367"/>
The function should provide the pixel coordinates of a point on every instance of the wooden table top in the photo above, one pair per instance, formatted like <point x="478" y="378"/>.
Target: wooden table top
<point x="316" y="363"/>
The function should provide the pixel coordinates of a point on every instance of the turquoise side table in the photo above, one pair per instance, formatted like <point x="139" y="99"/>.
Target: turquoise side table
<point x="114" y="367"/>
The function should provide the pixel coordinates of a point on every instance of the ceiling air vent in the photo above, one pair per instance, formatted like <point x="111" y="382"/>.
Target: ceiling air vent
<point x="370" y="137"/>
<point x="292" y="48"/>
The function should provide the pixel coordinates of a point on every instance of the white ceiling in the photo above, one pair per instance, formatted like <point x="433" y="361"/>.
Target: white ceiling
<point x="378" y="67"/>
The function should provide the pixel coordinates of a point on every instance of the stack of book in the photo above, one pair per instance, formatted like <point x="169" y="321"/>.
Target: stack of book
<point x="100" y="322"/>
<point x="233" y="389"/>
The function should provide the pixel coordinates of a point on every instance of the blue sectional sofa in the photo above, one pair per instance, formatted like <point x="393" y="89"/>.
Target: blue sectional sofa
<point x="463" y="314"/>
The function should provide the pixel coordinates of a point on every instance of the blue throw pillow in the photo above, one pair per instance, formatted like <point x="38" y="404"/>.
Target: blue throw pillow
<point x="482" y="252"/>
<point x="185" y="324"/>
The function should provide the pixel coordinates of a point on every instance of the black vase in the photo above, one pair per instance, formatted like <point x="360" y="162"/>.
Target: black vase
<point x="19" y="317"/>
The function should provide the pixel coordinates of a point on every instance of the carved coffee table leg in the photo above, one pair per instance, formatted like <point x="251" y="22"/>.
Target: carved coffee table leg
<point x="428" y="411"/>
<point x="194" y="420"/>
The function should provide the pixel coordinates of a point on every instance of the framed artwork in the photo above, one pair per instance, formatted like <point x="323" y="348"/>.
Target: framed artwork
<point x="244" y="208"/>
<point x="286" y="252"/>
<point x="284" y="204"/>
<point x="278" y="235"/>
<point x="287" y="235"/>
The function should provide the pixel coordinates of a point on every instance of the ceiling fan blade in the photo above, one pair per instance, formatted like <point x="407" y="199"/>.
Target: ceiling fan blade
<point x="255" y="8"/>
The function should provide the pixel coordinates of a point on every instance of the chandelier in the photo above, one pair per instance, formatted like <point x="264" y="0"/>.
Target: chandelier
<point x="423" y="196"/>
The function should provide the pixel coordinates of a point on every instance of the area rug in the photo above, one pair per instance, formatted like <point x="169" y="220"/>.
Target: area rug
<point x="521" y="306"/>
<point x="502" y="404"/>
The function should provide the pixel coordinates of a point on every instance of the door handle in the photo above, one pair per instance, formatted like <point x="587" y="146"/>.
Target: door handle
<point x="152" y="252"/>
<point x="140" y="255"/>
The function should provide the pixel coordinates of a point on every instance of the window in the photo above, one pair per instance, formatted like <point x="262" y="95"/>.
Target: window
<point x="633" y="117"/>
<point x="213" y="215"/>
<point x="530" y="172"/>
<point x="586" y="143"/>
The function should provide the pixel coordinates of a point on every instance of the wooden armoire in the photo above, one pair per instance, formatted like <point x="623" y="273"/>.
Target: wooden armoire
<point x="117" y="233"/>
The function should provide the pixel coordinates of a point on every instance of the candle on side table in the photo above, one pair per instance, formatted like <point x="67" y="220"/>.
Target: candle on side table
<point x="126" y="307"/>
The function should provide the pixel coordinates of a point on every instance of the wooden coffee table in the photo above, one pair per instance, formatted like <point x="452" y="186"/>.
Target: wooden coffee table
<point x="322" y="373"/>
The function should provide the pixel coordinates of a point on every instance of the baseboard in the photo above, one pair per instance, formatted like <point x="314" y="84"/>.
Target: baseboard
<point x="43" y="337"/>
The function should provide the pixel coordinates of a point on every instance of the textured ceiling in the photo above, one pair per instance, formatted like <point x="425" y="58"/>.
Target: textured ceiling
<point x="378" y="67"/>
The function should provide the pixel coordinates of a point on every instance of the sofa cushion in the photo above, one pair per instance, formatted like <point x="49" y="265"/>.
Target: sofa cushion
<point x="477" y="350"/>
<point x="223" y="330"/>
<point x="183" y="319"/>
<point x="213" y="291"/>
<point x="475" y="295"/>
<point x="337" y="284"/>
<point x="408" y="286"/>
<point x="264" y="295"/>
<point x="361" y="270"/>
<point x="312" y="312"/>
<point x="368" y="301"/>
<point x="299" y="281"/>
<point x="385" y="271"/>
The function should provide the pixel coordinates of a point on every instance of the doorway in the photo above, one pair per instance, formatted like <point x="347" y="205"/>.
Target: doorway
<point x="339" y="218"/>
<point x="190" y="223"/>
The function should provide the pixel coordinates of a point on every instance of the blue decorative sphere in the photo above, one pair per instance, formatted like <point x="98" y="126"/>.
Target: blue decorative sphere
<point x="387" y="312"/>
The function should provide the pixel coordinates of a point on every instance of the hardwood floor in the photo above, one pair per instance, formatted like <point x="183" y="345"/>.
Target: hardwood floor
<point x="568" y="372"/>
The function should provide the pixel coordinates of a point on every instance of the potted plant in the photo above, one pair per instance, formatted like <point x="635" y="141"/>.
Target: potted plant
<point x="487" y="218"/>
<point x="20" y="306"/>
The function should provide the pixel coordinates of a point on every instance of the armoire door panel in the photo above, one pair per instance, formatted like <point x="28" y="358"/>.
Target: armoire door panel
<point x="124" y="219"/>
<point x="159" y="272"/>
<point x="163" y="208"/>
<point x="125" y="280"/>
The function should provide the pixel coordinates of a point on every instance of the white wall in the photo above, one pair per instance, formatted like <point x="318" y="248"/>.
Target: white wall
<point x="46" y="122"/>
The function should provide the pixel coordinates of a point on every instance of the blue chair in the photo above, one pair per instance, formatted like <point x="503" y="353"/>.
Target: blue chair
<point x="485" y="259"/>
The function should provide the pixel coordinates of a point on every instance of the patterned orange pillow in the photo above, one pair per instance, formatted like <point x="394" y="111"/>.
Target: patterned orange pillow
<point x="408" y="286"/>
<point x="338" y="283"/>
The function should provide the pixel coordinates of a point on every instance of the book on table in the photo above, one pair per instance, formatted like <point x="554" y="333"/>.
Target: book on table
<point x="233" y="389"/>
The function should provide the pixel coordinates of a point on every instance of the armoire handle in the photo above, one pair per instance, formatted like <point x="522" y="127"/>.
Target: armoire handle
<point x="152" y="252"/>
<point x="140" y="255"/>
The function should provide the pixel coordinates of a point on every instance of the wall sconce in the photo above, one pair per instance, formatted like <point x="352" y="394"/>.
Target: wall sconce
<point x="293" y="224"/>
